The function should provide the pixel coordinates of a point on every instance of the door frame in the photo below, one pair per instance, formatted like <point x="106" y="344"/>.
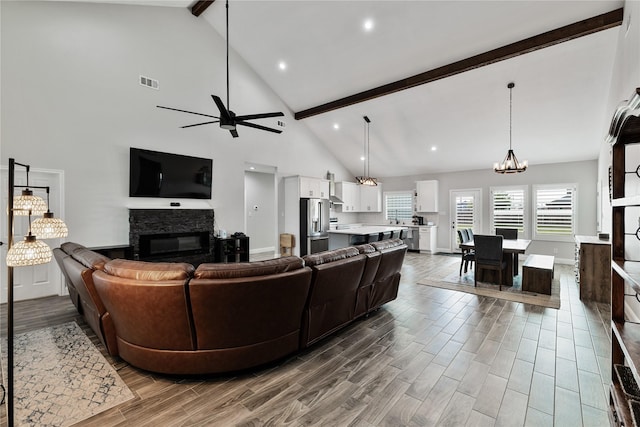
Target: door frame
<point x="270" y="170"/>
<point x="477" y="219"/>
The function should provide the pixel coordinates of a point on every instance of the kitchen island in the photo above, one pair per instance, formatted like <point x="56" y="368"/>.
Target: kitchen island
<point x="355" y="236"/>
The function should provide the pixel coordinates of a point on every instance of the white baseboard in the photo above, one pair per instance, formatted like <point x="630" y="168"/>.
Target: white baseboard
<point x="262" y="250"/>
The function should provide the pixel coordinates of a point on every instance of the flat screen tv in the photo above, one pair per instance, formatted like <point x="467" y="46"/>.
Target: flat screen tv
<point x="157" y="174"/>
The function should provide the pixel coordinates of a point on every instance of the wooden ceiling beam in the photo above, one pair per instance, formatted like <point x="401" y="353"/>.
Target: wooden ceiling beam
<point x="540" y="41"/>
<point x="200" y="6"/>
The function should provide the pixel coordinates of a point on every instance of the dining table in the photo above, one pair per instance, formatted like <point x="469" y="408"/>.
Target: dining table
<point x="511" y="248"/>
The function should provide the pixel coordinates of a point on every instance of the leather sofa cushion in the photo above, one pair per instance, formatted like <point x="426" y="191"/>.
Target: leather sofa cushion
<point x="385" y="244"/>
<point x="365" y="249"/>
<point x="69" y="247"/>
<point x="89" y="259"/>
<point x="248" y="269"/>
<point x="149" y="271"/>
<point x="330" y="256"/>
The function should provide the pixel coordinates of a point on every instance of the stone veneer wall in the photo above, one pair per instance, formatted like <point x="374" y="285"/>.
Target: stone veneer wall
<point x="155" y="221"/>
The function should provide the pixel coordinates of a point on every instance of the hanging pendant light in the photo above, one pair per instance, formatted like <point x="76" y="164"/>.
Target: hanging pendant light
<point x="30" y="251"/>
<point x="510" y="164"/>
<point x="27" y="203"/>
<point x="49" y="227"/>
<point x="365" y="179"/>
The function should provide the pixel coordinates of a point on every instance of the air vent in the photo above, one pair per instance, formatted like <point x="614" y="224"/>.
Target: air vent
<point x="149" y="82"/>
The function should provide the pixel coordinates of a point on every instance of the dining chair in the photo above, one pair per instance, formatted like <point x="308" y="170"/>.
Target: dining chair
<point x="488" y="254"/>
<point x="468" y="256"/>
<point x="470" y="233"/>
<point x="508" y="233"/>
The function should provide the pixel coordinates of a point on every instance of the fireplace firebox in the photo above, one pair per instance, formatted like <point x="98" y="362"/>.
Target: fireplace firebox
<point x="172" y="235"/>
<point x="160" y="245"/>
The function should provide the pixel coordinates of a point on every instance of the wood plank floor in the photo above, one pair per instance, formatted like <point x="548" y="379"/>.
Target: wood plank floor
<point x="432" y="357"/>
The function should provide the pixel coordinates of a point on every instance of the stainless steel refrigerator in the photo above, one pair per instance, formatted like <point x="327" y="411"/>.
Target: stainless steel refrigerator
<point x="314" y="226"/>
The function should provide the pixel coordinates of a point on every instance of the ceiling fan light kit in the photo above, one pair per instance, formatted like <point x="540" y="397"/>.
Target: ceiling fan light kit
<point x="365" y="179"/>
<point x="228" y="119"/>
<point x="510" y="164"/>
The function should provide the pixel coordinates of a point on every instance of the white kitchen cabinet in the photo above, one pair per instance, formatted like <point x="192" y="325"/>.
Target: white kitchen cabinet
<point x="314" y="187"/>
<point x="428" y="237"/>
<point x="349" y="193"/>
<point x="427" y="196"/>
<point x="370" y="198"/>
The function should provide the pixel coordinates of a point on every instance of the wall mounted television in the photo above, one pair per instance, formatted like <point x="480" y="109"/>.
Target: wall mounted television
<point x="167" y="175"/>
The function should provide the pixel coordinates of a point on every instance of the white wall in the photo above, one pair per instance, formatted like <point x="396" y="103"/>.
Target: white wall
<point x="71" y="101"/>
<point x="625" y="79"/>
<point x="260" y="210"/>
<point x="583" y="173"/>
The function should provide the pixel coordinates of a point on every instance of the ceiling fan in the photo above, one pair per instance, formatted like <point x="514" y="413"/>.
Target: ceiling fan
<point x="228" y="119"/>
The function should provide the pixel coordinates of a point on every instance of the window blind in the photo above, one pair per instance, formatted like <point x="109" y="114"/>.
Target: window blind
<point x="398" y="206"/>
<point x="554" y="211"/>
<point x="508" y="208"/>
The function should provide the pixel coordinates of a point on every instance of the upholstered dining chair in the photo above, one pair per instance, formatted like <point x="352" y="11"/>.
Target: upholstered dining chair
<point x="468" y="256"/>
<point x="508" y="233"/>
<point x="489" y="256"/>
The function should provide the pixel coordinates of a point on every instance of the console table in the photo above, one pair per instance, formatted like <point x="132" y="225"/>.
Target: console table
<point x="231" y="249"/>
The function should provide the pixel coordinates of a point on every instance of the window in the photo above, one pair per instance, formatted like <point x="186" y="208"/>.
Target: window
<point x="554" y="212"/>
<point x="509" y="208"/>
<point x="398" y="206"/>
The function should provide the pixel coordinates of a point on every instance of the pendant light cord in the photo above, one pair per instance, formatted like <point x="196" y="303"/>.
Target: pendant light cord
<point x="227" y="55"/>
<point x="366" y="158"/>
<point x="510" y="112"/>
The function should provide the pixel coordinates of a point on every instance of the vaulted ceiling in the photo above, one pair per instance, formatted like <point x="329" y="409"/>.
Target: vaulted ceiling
<point x="455" y="123"/>
<point x="558" y="101"/>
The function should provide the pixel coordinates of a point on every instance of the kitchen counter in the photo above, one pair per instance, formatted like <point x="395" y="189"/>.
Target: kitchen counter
<point x="348" y="237"/>
<point x="369" y="229"/>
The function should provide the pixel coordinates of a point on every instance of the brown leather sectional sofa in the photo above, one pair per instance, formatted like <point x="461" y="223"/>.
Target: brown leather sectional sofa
<point x="173" y="318"/>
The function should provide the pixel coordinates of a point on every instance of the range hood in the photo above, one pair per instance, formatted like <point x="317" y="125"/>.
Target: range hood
<point x="332" y="189"/>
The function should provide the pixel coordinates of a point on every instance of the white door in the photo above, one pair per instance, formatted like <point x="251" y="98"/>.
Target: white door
<point x="39" y="280"/>
<point x="466" y="212"/>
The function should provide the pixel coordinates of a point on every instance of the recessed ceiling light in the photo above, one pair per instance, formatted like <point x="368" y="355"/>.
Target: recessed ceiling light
<point x="368" y="24"/>
<point x="282" y="65"/>
<point x="434" y="148"/>
<point x="336" y="126"/>
<point x="362" y="158"/>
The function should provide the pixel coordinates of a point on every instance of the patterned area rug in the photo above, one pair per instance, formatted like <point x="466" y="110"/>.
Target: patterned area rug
<point x="61" y="378"/>
<point x="465" y="283"/>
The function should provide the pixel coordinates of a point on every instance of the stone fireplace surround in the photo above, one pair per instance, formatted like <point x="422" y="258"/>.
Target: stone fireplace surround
<point x="168" y="221"/>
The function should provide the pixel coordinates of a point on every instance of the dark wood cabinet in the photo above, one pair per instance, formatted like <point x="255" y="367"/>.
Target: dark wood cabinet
<point x="593" y="263"/>
<point x="231" y="249"/>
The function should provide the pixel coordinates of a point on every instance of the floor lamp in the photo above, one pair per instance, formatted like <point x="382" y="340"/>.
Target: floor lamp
<point x="28" y="252"/>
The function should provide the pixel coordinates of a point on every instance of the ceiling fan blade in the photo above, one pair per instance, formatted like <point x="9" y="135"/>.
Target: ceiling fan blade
<point x="259" y="116"/>
<point x="224" y="113"/>
<point x="185" y="111"/>
<point x="255" y="126"/>
<point x="200" y="124"/>
<point x="234" y="133"/>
